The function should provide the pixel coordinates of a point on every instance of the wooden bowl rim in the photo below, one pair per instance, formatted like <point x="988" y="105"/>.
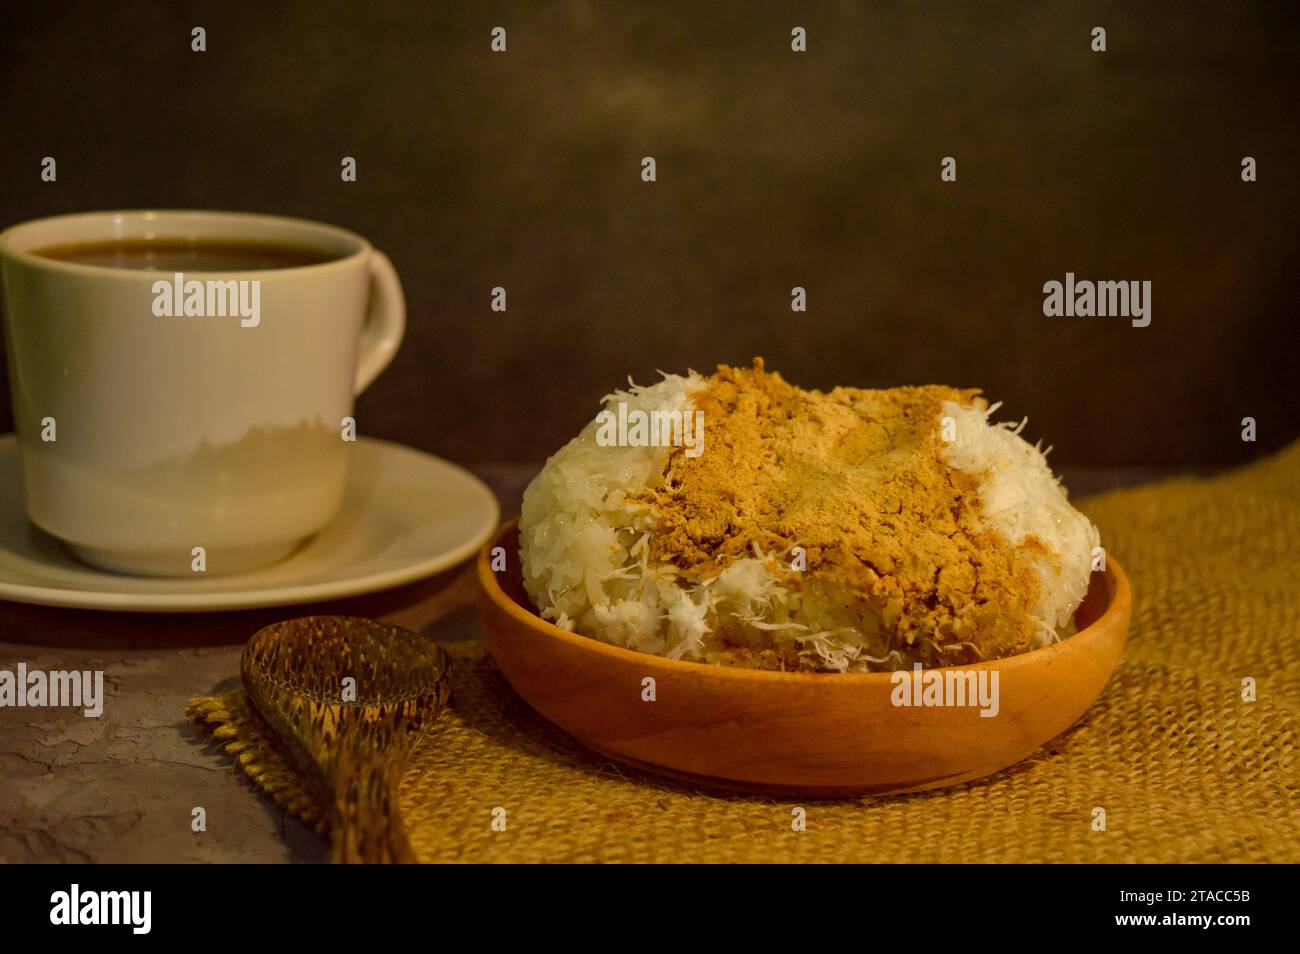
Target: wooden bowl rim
<point x="1119" y="605"/>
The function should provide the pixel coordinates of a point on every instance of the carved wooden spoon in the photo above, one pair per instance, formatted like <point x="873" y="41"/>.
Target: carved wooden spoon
<point x="351" y="698"/>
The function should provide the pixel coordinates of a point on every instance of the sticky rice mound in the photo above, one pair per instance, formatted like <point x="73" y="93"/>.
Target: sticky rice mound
<point x="849" y="531"/>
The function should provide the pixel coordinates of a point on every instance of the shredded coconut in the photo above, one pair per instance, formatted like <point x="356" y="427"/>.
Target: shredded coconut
<point x="922" y="542"/>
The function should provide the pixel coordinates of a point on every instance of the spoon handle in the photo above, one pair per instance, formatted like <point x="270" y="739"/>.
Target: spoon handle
<point x="366" y="819"/>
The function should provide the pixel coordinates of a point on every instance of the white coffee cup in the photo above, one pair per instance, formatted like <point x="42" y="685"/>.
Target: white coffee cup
<point x="174" y="445"/>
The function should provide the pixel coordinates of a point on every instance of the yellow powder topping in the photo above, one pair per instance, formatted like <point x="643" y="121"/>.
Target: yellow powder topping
<point x="857" y="479"/>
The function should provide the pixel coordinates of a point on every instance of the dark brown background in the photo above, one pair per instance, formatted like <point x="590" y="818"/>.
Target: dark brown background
<point x="775" y="169"/>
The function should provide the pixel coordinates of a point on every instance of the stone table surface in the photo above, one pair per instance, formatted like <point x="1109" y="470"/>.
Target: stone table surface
<point x="122" y="787"/>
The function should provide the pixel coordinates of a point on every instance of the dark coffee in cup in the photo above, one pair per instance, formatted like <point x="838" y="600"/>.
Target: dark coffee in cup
<point x="200" y="255"/>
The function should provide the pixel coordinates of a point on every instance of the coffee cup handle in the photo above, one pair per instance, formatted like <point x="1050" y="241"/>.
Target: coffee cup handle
<point x="385" y="321"/>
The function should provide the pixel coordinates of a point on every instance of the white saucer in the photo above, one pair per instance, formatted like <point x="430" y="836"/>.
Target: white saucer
<point x="406" y="515"/>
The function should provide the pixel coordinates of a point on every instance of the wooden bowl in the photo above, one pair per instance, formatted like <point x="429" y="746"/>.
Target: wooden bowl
<point x="808" y="734"/>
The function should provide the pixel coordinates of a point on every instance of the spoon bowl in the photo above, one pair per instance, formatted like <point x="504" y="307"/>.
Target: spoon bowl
<point x="351" y="697"/>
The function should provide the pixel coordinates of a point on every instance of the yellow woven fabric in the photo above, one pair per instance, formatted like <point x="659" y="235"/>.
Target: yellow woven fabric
<point x="1185" y="769"/>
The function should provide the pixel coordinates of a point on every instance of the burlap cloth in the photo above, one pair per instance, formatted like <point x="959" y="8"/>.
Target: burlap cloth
<point x="1183" y="767"/>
